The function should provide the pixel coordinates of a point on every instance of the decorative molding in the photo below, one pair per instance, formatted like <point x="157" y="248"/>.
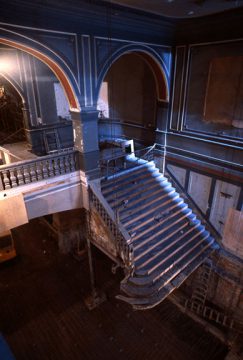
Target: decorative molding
<point x="87" y="71"/>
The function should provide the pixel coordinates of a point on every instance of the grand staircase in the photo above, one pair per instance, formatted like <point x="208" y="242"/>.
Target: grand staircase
<point x="167" y="239"/>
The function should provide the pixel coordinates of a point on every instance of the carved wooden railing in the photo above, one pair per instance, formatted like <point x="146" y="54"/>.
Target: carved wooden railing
<point x="26" y="172"/>
<point x="120" y="236"/>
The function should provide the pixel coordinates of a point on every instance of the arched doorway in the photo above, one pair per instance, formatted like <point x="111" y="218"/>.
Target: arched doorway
<point x="131" y="95"/>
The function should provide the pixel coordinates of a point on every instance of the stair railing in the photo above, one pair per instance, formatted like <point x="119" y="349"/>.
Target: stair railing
<point x="120" y="236"/>
<point x="29" y="171"/>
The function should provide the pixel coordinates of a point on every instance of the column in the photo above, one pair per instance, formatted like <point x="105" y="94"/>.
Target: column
<point x="85" y="133"/>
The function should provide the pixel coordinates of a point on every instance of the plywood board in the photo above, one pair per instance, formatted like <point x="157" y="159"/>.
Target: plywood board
<point x="225" y="197"/>
<point x="223" y="101"/>
<point x="199" y="188"/>
<point x="179" y="173"/>
<point x="12" y="212"/>
<point x="233" y="232"/>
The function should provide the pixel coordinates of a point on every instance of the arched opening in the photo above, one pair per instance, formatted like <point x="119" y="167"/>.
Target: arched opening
<point x="60" y="74"/>
<point x="36" y="103"/>
<point x="132" y="92"/>
<point x="11" y="113"/>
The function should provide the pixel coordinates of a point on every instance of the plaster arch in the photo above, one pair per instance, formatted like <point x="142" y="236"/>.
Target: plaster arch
<point x="50" y="58"/>
<point x="151" y="58"/>
<point x="15" y="86"/>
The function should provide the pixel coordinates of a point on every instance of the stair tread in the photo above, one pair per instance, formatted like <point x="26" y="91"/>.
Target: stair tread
<point x="145" y="201"/>
<point x="166" y="211"/>
<point x="131" y="182"/>
<point x="140" y="303"/>
<point x="125" y="174"/>
<point x="182" y="215"/>
<point x="177" y="248"/>
<point x="165" y="243"/>
<point x="170" y="263"/>
<point x="149" y="206"/>
<point x="132" y="192"/>
<point x="164" y="232"/>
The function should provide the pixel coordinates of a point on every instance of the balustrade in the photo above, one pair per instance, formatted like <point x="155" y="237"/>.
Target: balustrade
<point x="26" y="172"/>
<point x="122" y="243"/>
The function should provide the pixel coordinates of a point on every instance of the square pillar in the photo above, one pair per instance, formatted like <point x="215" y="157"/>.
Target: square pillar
<point x="85" y="133"/>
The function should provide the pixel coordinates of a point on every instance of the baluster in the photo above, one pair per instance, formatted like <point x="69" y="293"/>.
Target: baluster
<point x="19" y="175"/>
<point x="1" y="182"/>
<point x="65" y="165"/>
<point x="6" y="180"/>
<point x="33" y="174"/>
<point x="26" y="174"/>
<point x="50" y="168"/>
<point x="61" y="165"/>
<point x="71" y="162"/>
<point x="55" y="166"/>
<point x="44" y="170"/>
<point x="13" y="178"/>
<point x="39" y="174"/>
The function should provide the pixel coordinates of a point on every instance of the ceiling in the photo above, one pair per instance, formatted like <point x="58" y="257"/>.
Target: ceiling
<point x="181" y="8"/>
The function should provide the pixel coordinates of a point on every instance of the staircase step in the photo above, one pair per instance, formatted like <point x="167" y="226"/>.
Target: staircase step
<point x="148" y="288"/>
<point x="150" y="302"/>
<point x="150" y="228"/>
<point x="139" y="212"/>
<point x="145" y="197"/>
<point x="175" y="226"/>
<point x="126" y="174"/>
<point x="181" y="255"/>
<point x="165" y="210"/>
<point x="133" y="187"/>
<point x="163" y="227"/>
<point x="151" y="251"/>
<point x="146" y="192"/>
<point x="131" y="182"/>
<point x="179" y="250"/>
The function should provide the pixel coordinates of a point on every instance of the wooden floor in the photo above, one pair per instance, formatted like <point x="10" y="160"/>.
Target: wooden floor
<point x="43" y="316"/>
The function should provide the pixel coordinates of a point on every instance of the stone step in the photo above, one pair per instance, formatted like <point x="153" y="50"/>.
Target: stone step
<point x="134" y="187"/>
<point x="163" y="210"/>
<point x="127" y="174"/>
<point x="143" y="303"/>
<point x="133" y="180"/>
<point x="139" y="209"/>
<point x="170" y="276"/>
<point x="161" y="248"/>
<point x="157" y="227"/>
<point x="179" y="256"/>
<point x="151" y="249"/>
<point x="146" y="196"/>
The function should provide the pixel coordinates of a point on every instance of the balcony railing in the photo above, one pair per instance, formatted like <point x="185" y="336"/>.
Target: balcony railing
<point x="26" y="172"/>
